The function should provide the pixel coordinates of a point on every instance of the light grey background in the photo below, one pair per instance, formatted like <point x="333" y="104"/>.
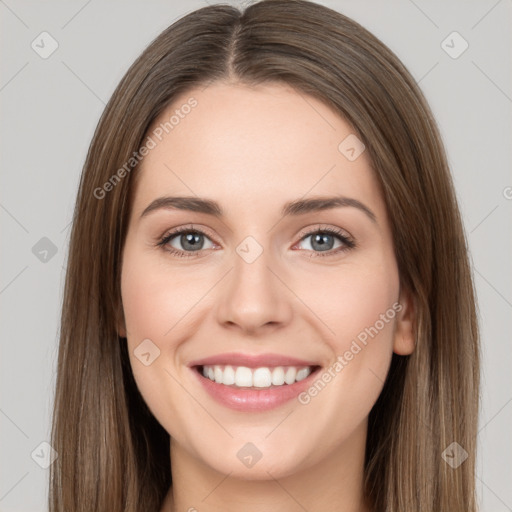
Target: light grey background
<point x="50" y="108"/>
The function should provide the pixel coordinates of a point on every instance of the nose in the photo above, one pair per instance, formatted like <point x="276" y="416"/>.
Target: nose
<point x="254" y="296"/>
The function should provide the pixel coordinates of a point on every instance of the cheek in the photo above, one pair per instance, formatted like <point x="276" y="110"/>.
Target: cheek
<point x="359" y="307"/>
<point x="355" y="302"/>
<point x="155" y="307"/>
<point x="156" y="302"/>
<point x="154" y="311"/>
<point x="367" y="312"/>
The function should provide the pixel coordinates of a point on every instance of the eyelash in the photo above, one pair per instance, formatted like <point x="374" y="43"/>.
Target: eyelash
<point x="348" y="242"/>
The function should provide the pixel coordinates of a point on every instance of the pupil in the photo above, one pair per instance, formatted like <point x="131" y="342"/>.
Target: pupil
<point x="192" y="241"/>
<point x="320" y="239"/>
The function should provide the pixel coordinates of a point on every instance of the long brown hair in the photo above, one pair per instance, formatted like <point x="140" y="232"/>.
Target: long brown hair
<point x="113" y="454"/>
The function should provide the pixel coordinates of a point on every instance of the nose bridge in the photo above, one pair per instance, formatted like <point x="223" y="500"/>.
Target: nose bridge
<point x="253" y="296"/>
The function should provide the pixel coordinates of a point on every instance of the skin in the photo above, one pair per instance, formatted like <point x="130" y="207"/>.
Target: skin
<point x="252" y="149"/>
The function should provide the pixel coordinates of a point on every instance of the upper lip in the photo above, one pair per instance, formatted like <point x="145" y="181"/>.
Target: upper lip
<point x="251" y="361"/>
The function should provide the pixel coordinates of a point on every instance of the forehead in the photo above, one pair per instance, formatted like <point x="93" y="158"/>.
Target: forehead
<point x="253" y="148"/>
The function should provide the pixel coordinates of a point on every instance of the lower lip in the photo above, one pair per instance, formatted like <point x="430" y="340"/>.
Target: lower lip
<point x="246" y="399"/>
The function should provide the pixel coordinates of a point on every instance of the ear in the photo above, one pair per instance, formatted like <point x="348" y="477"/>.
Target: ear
<point x="404" y="336"/>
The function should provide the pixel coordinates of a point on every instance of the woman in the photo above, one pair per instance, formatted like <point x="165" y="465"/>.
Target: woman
<point x="268" y="303"/>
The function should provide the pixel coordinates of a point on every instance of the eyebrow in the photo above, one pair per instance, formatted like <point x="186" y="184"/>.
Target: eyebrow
<point x="293" y="208"/>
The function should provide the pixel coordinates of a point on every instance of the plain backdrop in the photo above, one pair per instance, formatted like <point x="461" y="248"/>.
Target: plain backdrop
<point x="49" y="110"/>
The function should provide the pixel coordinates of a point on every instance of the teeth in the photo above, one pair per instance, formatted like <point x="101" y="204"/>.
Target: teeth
<point x="302" y="374"/>
<point x="289" y="376"/>
<point x="262" y="378"/>
<point x="228" y="376"/>
<point x="278" y="376"/>
<point x="241" y="376"/>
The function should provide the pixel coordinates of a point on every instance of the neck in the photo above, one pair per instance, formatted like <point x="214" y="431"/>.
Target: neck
<point x="335" y="483"/>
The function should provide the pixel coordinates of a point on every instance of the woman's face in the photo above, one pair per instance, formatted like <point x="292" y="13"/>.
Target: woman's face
<point x="255" y="283"/>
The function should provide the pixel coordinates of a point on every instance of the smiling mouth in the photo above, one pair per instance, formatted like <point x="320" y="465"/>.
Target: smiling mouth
<point x="255" y="378"/>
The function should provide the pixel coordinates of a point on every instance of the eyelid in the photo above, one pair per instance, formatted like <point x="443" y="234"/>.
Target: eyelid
<point x="186" y="228"/>
<point x="310" y="230"/>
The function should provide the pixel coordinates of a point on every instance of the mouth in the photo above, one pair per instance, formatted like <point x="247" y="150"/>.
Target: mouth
<point x="243" y="377"/>
<point x="258" y="389"/>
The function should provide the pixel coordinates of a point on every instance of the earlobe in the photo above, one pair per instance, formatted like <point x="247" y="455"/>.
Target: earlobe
<point x="121" y="331"/>
<point x="404" y="337"/>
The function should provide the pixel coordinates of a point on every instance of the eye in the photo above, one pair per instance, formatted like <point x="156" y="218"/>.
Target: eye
<point x="323" y="241"/>
<point x="191" y="240"/>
